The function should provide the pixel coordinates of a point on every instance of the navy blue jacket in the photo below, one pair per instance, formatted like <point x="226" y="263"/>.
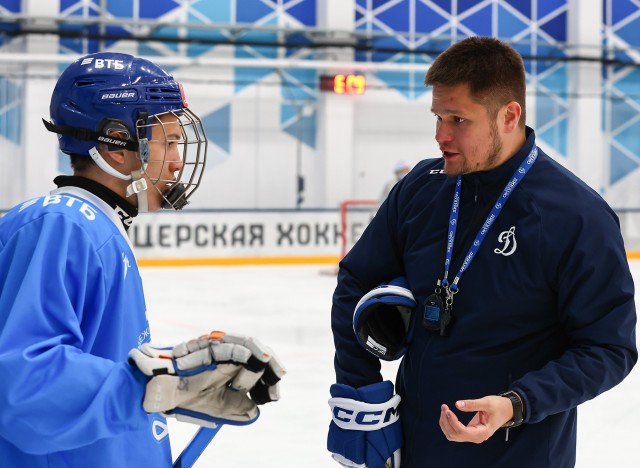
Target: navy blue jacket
<point x="554" y="320"/>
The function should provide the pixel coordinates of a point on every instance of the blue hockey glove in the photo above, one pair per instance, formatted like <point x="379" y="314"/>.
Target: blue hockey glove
<point x="365" y="430"/>
<point x="382" y="319"/>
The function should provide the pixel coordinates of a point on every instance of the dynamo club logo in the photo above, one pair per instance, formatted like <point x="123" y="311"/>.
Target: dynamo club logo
<point x="508" y="240"/>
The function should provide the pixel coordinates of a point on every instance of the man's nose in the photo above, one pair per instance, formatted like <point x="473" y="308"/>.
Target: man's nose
<point x="174" y="160"/>
<point x="443" y="133"/>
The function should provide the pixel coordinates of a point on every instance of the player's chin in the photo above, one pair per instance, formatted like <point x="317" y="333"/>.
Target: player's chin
<point x="158" y="199"/>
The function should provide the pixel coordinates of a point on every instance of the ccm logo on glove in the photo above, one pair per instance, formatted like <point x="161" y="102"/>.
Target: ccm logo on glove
<point x="356" y="415"/>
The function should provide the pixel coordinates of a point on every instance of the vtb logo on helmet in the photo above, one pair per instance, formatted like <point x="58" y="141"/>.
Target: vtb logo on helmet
<point x="103" y="63"/>
<point x="106" y="91"/>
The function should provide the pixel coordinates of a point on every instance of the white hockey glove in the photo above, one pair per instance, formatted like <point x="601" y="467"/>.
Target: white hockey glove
<point x="217" y="378"/>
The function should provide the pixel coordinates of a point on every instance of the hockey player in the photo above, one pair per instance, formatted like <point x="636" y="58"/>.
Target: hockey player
<point x="81" y="385"/>
<point x="511" y="299"/>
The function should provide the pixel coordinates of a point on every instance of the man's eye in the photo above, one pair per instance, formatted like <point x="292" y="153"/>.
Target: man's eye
<point x="458" y="119"/>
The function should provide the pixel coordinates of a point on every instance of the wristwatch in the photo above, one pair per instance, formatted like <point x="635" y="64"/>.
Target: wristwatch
<point x="518" y="409"/>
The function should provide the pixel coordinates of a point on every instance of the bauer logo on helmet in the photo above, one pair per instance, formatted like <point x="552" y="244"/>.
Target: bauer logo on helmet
<point x="128" y="95"/>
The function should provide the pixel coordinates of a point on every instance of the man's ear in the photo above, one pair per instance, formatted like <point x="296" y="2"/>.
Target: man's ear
<point x="115" y="152"/>
<point x="116" y="156"/>
<point x="511" y="113"/>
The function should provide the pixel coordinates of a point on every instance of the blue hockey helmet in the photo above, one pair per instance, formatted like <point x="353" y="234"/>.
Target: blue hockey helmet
<point x="107" y="91"/>
<point x="109" y="86"/>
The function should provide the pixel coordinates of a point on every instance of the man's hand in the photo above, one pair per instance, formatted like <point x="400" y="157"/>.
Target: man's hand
<point x="217" y="378"/>
<point x="491" y="413"/>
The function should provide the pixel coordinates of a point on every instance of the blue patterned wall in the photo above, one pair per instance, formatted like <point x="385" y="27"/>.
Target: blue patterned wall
<point x="11" y="106"/>
<point x="11" y="91"/>
<point x="403" y="27"/>
<point x="293" y="13"/>
<point x="622" y="87"/>
<point x="540" y="26"/>
<point x="406" y="26"/>
<point x="7" y="8"/>
<point x="297" y="94"/>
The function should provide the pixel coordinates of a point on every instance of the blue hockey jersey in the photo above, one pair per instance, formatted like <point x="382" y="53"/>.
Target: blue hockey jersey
<point x="71" y="308"/>
<point x="545" y="308"/>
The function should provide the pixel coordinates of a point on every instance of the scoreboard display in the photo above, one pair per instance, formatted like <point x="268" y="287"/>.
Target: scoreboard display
<point x="343" y="83"/>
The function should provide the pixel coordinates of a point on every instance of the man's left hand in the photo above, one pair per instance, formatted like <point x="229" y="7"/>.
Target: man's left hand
<point x="491" y="413"/>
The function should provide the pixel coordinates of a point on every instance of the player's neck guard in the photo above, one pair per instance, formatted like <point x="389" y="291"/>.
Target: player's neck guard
<point x="125" y="210"/>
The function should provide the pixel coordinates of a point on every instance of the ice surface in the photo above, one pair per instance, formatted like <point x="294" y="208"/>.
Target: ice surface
<point x="288" y="308"/>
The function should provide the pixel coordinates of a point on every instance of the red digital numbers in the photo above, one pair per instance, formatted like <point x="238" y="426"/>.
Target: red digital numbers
<point x="343" y="84"/>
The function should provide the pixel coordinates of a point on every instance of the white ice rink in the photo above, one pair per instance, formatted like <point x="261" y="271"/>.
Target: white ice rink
<point x="288" y="308"/>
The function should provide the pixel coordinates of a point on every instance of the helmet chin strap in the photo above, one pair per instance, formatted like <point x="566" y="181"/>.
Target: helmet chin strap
<point x="138" y="185"/>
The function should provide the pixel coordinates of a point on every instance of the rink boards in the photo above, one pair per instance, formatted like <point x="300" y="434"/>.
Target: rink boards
<point x="236" y="237"/>
<point x="241" y="237"/>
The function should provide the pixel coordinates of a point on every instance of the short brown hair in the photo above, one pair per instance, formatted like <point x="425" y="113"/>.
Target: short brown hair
<point x="493" y="70"/>
<point x="80" y="163"/>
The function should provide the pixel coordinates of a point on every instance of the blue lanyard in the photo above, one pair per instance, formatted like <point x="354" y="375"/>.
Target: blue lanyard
<point x="518" y="175"/>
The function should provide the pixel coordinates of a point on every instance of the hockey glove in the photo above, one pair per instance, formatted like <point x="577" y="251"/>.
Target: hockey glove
<point x="217" y="378"/>
<point x="382" y="319"/>
<point x="365" y="430"/>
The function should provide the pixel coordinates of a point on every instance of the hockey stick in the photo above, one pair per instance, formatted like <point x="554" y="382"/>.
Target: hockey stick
<point x="196" y="446"/>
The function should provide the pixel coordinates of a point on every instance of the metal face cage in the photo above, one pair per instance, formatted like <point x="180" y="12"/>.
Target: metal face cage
<point x="185" y="146"/>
